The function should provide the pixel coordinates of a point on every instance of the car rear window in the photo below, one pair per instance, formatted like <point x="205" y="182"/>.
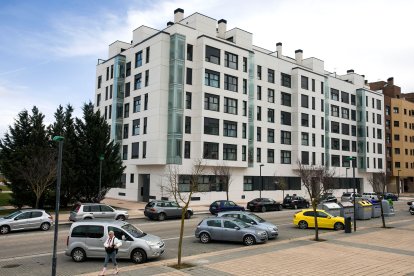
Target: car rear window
<point x="214" y="223"/>
<point x="150" y="204"/>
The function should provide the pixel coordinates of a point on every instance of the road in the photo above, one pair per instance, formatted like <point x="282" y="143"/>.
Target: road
<point x="30" y="253"/>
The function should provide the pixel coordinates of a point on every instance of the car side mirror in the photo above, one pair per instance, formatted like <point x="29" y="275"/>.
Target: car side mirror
<point x="16" y="218"/>
<point x="237" y="228"/>
<point x="253" y="223"/>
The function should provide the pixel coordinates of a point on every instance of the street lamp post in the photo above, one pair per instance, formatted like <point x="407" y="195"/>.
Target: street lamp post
<point x="350" y="158"/>
<point x="346" y="176"/>
<point x="398" y="183"/>
<point x="101" y="158"/>
<point x="58" y="139"/>
<point x="261" y="180"/>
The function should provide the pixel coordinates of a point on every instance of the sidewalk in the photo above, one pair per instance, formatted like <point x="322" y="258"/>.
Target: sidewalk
<point x="369" y="251"/>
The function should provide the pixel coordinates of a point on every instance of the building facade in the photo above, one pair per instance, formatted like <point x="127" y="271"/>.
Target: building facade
<point x="196" y="90"/>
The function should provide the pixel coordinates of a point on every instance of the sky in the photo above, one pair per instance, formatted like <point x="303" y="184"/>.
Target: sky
<point x="49" y="49"/>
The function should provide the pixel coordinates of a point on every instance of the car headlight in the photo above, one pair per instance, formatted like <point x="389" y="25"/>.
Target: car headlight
<point x="152" y="243"/>
<point x="273" y="228"/>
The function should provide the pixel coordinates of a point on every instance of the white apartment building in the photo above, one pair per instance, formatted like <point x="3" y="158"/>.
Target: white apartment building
<point x="197" y="90"/>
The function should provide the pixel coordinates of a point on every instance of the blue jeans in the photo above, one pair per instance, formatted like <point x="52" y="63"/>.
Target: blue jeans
<point x="110" y="256"/>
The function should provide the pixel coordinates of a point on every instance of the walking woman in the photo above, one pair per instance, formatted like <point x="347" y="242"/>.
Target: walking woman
<point x="111" y="247"/>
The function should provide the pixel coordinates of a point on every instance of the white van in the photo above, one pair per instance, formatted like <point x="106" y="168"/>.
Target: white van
<point x="370" y="196"/>
<point x="86" y="239"/>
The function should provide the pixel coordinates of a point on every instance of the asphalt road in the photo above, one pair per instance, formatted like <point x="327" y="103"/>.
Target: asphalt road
<point x="30" y="253"/>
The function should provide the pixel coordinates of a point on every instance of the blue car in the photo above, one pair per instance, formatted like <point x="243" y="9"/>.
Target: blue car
<point x="391" y="196"/>
<point x="224" y="205"/>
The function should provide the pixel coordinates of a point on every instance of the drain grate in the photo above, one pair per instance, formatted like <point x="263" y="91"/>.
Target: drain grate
<point x="10" y="266"/>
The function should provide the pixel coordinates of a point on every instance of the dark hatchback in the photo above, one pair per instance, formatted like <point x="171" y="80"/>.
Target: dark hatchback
<point x="263" y="205"/>
<point x="224" y="205"/>
<point x="295" y="202"/>
<point x="391" y="196"/>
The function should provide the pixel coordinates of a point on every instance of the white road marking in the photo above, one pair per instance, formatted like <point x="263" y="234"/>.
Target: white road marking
<point x="29" y="256"/>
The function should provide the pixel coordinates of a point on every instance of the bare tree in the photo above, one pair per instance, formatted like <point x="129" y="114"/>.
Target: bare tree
<point x="183" y="195"/>
<point x="282" y="185"/>
<point x="317" y="181"/>
<point x="39" y="170"/>
<point x="379" y="182"/>
<point x="223" y="174"/>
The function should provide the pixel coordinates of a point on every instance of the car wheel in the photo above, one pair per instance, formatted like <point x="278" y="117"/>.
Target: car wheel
<point x="138" y="256"/>
<point x="161" y="216"/>
<point x="188" y="215"/>
<point x="411" y="212"/>
<point x="338" y="226"/>
<point x="121" y="217"/>
<point x="264" y="209"/>
<point x="279" y="208"/>
<point x="303" y="224"/>
<point x="78" y="255"/>
<point x="205" y="238"/>
<point x="45" y="226"/>
<point x="4" y="229"/>
<point x="249" y="240"/>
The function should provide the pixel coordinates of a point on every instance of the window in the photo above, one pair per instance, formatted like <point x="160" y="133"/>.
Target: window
<point x="230" y="129"/>
<point x="189" y="52"/>
<point x="145" y="125"/>
<point x="304" y="99"/>
<point x="112" y="71"/>
<point x="396" y="123"/>
<point x="126" y="110"/>
<point x="146" y="78"/>
<point x="270" y="115"/>
<point x="270" y="135"/>
<point x="210" y="150"/>
<point x="304" y="120"/>
<point x="99" y="81"/>
<point x="285" y="99"/>
<point x="147" y="54"/>
<point x="244" y="153"/>
<point x="135" y="151"/>
<point x="230" y="60"/>
<point x="211" y="126"/>
<point x="138" y="59"/>
<point x="335" y="144"/>
<point x="396" y="110"/>
<point x="244" y="108"/>
<point x="259" y="134"/>
<point x="259" y="155"/>
<point x="335" y="161"/>
<point x="285" y="118"/>
<point x="271" y="95"/>
<point x="379" y="119"/>
<point x="229" y="152"/>
<point x="188" y="100"/>
<point x="137" y="104"/>
<point x="344" y="97"/>
<point x="212" y="55"/>
<point x="271" y="75"/>
<point x="211" y="102"/>
<point x="137" y="81"/>
<point x="126" y="131"/>
<point x="127" y="89"/>
<point x="304" y="82"/>
<point x="334" y="94"/>
<point x="345" y="113"/>
<point x="124" y="152"/>
<point x="353" y="115"/>
<point x="334" y="110"/>
<point x="334" y="127"/>
<point x="345" y="129"/>
<point x="244" y="86"/>
<point x="244" y="64"/>
<point x="146" y="101"/>
<point x="285" y="80"/>
<point x="313" y="85"/>
<point x="144" y="149"/>
<point x="285" y="157"/>
<point x="305" y="157"/>
<point x="187" y="124"/>
<point x="135" y="127"/>
<point x="187" y="149"/>
<point x="305" y="139"/>
<point x="230" y="83"/>
<point x="270" y="156"/>
<point x="259" y="113"/>
<point x="259" y="72"/>
<point x="285" y="137"/>
<point x="259" y="93"/>
<point x="313" y="103"/>
<point x="230" y="105"/>
<point x="212" y="78"/>
<point x="387" y="110"/>
<point x="189" y="76"/>
<point x="98" y="99"/>
<point x="244" y="130"/>
<point x="128" y="69"/>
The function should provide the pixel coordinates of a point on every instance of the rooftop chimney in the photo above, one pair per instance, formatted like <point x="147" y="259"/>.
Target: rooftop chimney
<point x="350" y="71"/>
<point x="222" y="27"/>
<point x="170" y="23"/>
<point x="299" y="56"/>
<point x="178" y="15"/>
<point x="279" y="49"/>
<point x="390" y="81"/>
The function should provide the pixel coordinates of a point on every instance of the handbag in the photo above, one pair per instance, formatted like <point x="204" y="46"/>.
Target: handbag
<point x="111" y="248"/>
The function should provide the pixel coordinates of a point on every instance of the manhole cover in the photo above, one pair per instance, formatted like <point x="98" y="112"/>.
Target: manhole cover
<point x="10" y="266"/>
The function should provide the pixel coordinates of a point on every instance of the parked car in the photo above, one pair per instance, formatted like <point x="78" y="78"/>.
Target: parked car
<point x="411" y="208"/>
<point x="224" y="205"/>
<point x="86" y="239"/>
<point x="391" y="196"/>
<point x="263" y="205"/>
<point x="295" y="202"/>
<point x="25" y="220"/>
<point x="370" y="196"/>
<point x="162" y="209"/>
<point x="306" y="218"/>
<point x="271" y="229"/>
<point x="328" y="198"/>
<point x="229" y="229"/>
<point x="350" y="197"/>
<point x="96" y="211"/>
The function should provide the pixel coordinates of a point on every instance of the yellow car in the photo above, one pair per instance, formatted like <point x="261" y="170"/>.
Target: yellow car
<point x="306" y="218"/>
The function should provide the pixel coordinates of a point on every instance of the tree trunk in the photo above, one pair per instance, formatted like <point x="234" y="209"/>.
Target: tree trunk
<point x="180" y="242"/>
<point x="316" y="220"/>
<point x="227" y="194"/>
<point x="37" y="202"/>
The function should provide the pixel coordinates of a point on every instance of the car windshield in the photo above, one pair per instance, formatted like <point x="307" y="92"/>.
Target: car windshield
<point x="133" y="231"/>
<point x="241" y="223"/>
<point x="259" y="219"/>
<point x="13" y="215"/>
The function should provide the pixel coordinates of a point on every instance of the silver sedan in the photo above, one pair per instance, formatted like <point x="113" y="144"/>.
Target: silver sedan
<point x="26" y="219"/>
